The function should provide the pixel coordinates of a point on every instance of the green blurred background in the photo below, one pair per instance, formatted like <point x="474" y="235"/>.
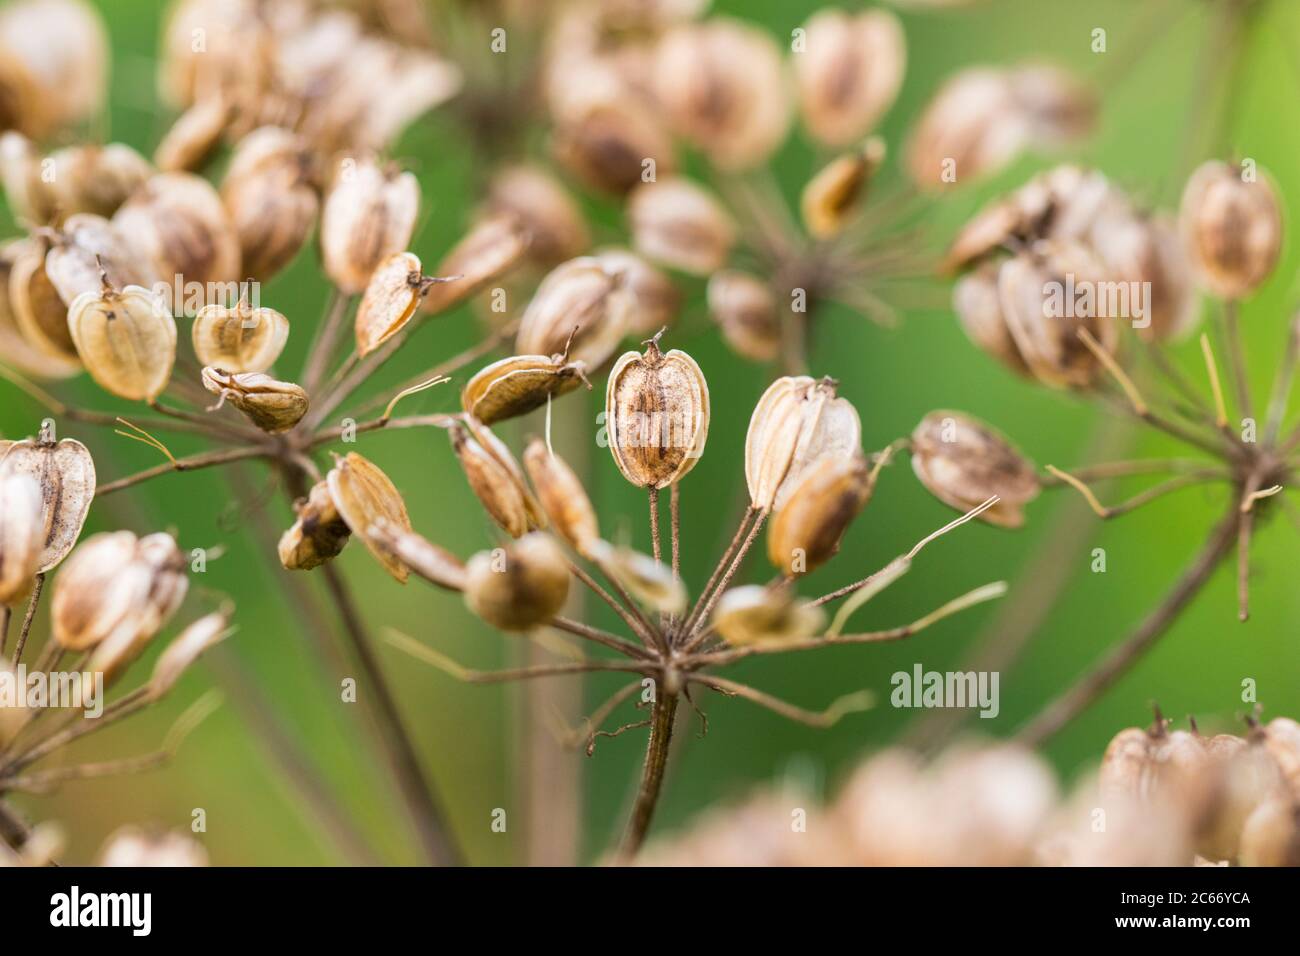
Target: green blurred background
<point x="1154" y="128"/>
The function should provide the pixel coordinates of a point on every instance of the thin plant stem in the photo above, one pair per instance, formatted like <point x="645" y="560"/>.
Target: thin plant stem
<point x="6" y="615"/>
<point x="1245" y="527"/>
<point x="656" y="548"/>
<point x="1057" y="714"/>
<point x="1282" y="385"/>
<point x="326" y="340"/>
<point x="1142" y="498"/>
<point x="26" y="629"/>
<point x="209" y="425"/>
<point x="675" y="505"/>
<point x="696" y="637"/>
<point x="629" y="615"/>
<point x="596" y="635"/>
<point x="1232" y="332"/>
<point x="652" y="774"/>
<point x="722" y="565"/>
<point x="190" y="463"/>
<point x="848" y="704"/>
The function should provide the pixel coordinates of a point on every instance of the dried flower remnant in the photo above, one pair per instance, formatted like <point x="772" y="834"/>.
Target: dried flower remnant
<point x="1232" y="225"/>
<point x="273" y="406"/>
<point x="368" y="215"/>
<point x="849" y="72"/>
<point x="962" y="461"/>
<point x="520" y="586"/>
<point x="677" y="223"/>
<point x="239" y="339"/>
<point x="127" y="340"/>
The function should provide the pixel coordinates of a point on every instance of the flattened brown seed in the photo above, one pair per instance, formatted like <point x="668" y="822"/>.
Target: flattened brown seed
<point x="579" y="310"/>
<point x="65" y="474"/>
<point x="436" y="565"/>
<point x="973" y="121"/>
<point x="514" y="386"/>
<point x="193" y="137"/>
<point x="271" y="405"/>
<point x="754" y="613"/>
<point x="177" y="226"/>
<point x="679" y="224"/>
<point x="605" y="140"/>
<point x="89" y="252"/>
<point x="369" y="214"/>
<point x="744" y="308"/>
<point x="549" y="215"/>
<point x="239" y="339"/>
<point x="95" y="179"/>
<point x="834" y="196"/>
<point x="1232" y="228"/>
<point x="562" y="496"/>
<point x="364" y="495"/>
<point x="852" y="73"/>
<point x="40" y="312"/>
<point x="499" y="450"/>
<point x="99" y="591"/>
<point x="656" y="300"/>
<point x="797" y="422"/>
<point x="318" y="534"/>
<point x="526" y="588"/>
<point x="392" y="297"/>
<point x="657" y="414"/>
<point x="126" y="339"/>
<point x="492" y="248"/>
<point x="22" y="534"/>
<point x="498" y="488"/>
<point x="963" y="462"/>
<point x="162" y="566"/>
<point x="806" y="531"/>
<point x="269" y="194"/>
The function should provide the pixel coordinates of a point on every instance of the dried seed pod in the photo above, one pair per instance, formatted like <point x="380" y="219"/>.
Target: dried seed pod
<point x="1232" y="225"/>
<point x="95" y="179"/>
<point x="562" y="496"/>
<point x="495" y="479"/>
<point x="127" y="340"/>
<point x="797" y="422"/>
<point x="515" y="386"/>
<point x="364" y="496"/>
<point x="369" y="214"/>
<point x="270" y="198"/>
<point x="549" y="216"/>
<point x="1148" y="251"/>
<point x="1271" y="835"/>
<point x="65" y="474"/>
<point x="963" y="462"/>
<point x="178" y="228"/>
<point x="271" y="405"/>
<point x="677" y="223"/>
<point x="806" y="531"/>
<point x="580" y="310"/>
<point x="1129" y="767"/>
<point x="422" y="556"/>
<point x="608" y="142"/>
<point x="187" y="648"/>
<point x="193" y="137"/>
<point x="744" y="308"/>
<point x="17" y="350"/>
<point x="87" y="253"/>
<point x="835" y="195"/>
<point x="22" y="534"/>
<point x="38" y="309"/>
<point x="55" y="64"/>
<point x="649" y="581"/>
<point x="20" y="172"/>
<point x="978" y="304"/>
<point x="655" y="299"/>
<point x="491" y="249"/>
<point x="849" y="72"/>
<point x="239" y="339"/>
<point x="657" y="415"/>
<point x="1250" y="778"/>
<point x="754" y="613"/>
<point x="518" y="587"/>
<point x="1282" y="740"/>
<point x="722" y="85"/>
<point x="318" y="534"/>
<point x="392" y="297"/>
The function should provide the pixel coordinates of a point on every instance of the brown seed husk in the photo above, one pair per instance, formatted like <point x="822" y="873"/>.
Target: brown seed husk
<point x="392" y="297"/>
<point x="193" y="137"/>
<point x="515" y="386"/>
<point x="14" y="346"/>
<point x="797" y="422"/>
<point x="364" y="495"/>
<point x="498" y="487"/>
<point x="436" y="565"/>
<point x="269" y="194"/>
<point x="679" y="224"/>
<point x="963" y="462"/>
<point x="833" y="197"/>
<point x="65" y="473"/>
<point x="239" y="339"/>
<point x="562" y="496"/>
<point x="187" y="648"/>
<point x="95" y="179"/>
<point x="88" y="253"/>
<point x="656" y="300"/>
<point x="806" y="532"/>
<point x="126" y="339"/>
<point x="744" y="308"/>
<point x="657" y="415"/>
<point x="520" y="586"/>
<point x="491" y="249"/>
<point x="22" y="534"/>
<point x="754" y="613"/>
<point x="549" y="216"/>
<point x="369" y="214"/>
<point x="1232" y="229"/>
<point x="271" y="405"/>
<point x="580" y="310"/>
<point x="850" y="72"/>
<point x="39" y="310"/>
<point x="318" y="534"/>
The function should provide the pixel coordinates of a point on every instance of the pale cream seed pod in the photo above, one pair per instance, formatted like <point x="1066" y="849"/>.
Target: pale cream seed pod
<point x="969" y="130"/>
<point x="849" y="72"/>
<point x="95" y="179"/>
<point x="514" y="386"/>
<point x="797" y="422"/>
<point x="807" y="529"/>
<point x="657" y="415"/>
<point x="744" y="308"/>
<point x="963" y="462"/>
<point x="562" y="496"/>
<point x="56" y="64"/>
<point x="65" y="473"/>
<point x="580" y="310"/>
<point x="497" y="486"/>
<point x="22" y="534"/>
<point x="978" y="305"/>
<point x="273" y="406"/>
<point x="436" y="565"/>
<point x="677" y="223"/>
<point x="368" y="215"/>
<point x="1232" y="227"/>
<point x="611" y="144"/>
<point x="20" y="173"/>
<point x="552" y="220"/>
<point x="39" y="311"/>
<point x="753" y="613"/>
<point x="239" y="338"/>
<point x="89" y="252"/>
<point x="364" y="497"/>
<point x="518" y="587"/>
<point x="1271" y="835"/>
<point x="651" y="582"/>
<point x="656" y="300"/>
<point x="17" y="350"/>
<point x="318" y="533"/>
<point x="270" y="197"/>
<point x="834" y="197"/>
<point x="127" y="340"/>
<point x="1282" y="740"/>
<point x="492" y="248"/>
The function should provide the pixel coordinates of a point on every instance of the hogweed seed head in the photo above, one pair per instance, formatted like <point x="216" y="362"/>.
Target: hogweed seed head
<point x="271" y="199"/>
<point x="392" y="297"/>
<point x="365" y="496"/>
<point x="126" y="339"/>
<point x="744" y="308"/>
<point x="318" y="534"/>
<point x="580" y="310"/>
<point x="516" y="385"/>
<point x="562" y="496"/>
<point x="496" y="481"/>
